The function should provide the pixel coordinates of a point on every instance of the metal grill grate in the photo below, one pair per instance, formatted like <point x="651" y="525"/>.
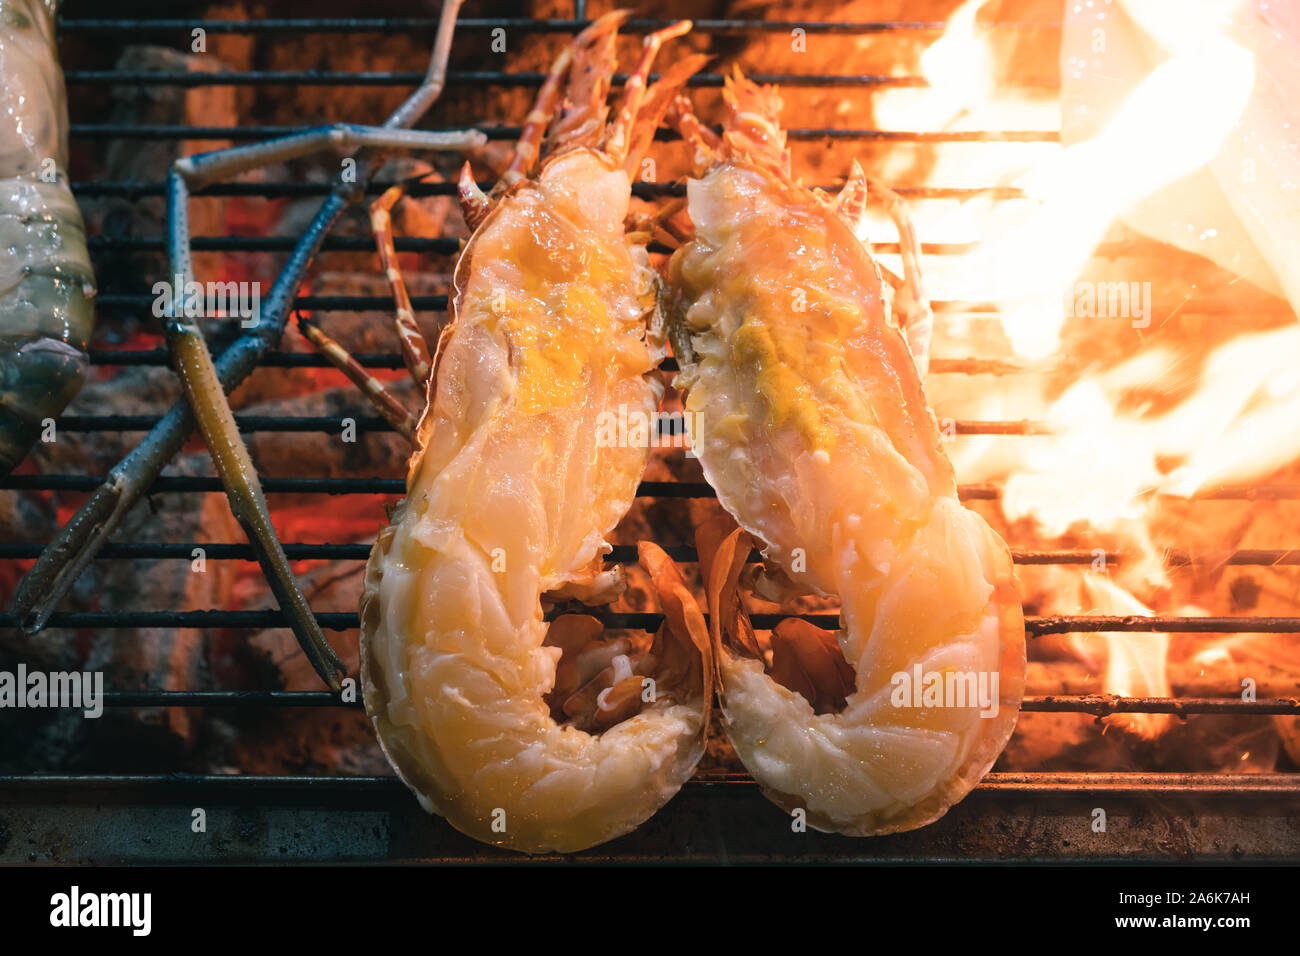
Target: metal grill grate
<point x="714" y="815"/>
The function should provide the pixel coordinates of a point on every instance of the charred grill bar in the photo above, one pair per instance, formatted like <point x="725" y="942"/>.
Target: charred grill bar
<point x="1011" y="816"/>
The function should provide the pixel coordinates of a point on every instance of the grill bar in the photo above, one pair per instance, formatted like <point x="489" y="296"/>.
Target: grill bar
<point x="454" y="79"/>
<point x="647" y="489"/>
<point x="158" y="131"/>
<point x="343" y="621"/>
<point x="715" y="819"/>
<point x="1105" y="705"/>
<point x="626" y="554"/>
<point x="448" y="247"/>
<point x="329" y="486"/>
<point x="532" y="25"/>
<point x="278" y="190"/>
<point x="391" y="360"/>
<point x="158" y="357"/>
<point x="1098" y="705"/>
<point x="373" y="423"/>
<point x="1001" y="783"/>
<point x="360" y="303"/>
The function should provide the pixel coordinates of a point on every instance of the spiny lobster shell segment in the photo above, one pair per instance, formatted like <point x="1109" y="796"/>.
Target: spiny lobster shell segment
<point x="753" y="127"/>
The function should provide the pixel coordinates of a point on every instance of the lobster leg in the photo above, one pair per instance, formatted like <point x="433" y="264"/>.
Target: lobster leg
<point x="910" y="302"/>
<point x="474" y="203"/>
<point x="706" y="144"/>
<point x="551" y="98"/>
<point x="207" y="382"/>
<point x="206" y="168"/>
<point x="620" y="134"/>
<point x="385" y="402"/>
<point x="415" y="350"/>
<point x="207" y="398"/>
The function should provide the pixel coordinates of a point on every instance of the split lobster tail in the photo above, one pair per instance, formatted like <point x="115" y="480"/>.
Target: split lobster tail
<point x="536" y="734"/>
<point x="815" y="433"/>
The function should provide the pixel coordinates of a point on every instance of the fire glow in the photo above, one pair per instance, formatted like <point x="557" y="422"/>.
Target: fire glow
<point x="1107" y="463"/>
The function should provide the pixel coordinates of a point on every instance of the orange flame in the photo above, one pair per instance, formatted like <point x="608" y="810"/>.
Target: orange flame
<point x="1173" y="123"/>
<point x="1105" y="462"/>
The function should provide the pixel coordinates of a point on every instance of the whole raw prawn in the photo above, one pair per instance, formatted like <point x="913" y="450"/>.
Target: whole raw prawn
<point x="522" y="735"/>
<point x="813" y="428"/>
<point x="46" y="283"/>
